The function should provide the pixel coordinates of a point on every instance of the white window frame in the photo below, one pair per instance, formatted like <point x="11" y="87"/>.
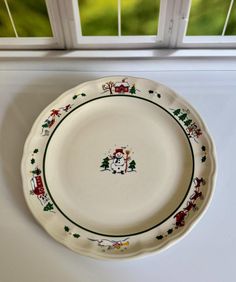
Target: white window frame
<point x="181" y="40"/>
<point x="172" y="27"/>
<point x="54" y="42"/>
<point x="65" y="23"/>
<point x="75" y="39"/>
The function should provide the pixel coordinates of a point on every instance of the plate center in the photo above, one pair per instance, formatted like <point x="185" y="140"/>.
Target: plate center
<point x="118" y="165"/>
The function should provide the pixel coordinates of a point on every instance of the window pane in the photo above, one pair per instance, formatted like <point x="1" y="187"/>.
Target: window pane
<point x="6" y="29"/>
<point x="99" y="17"/>
<point x="30" y="18"/>
<point x="139" y="17"/>
<point x="207" y="17"/>
<point x="231" y="27"/>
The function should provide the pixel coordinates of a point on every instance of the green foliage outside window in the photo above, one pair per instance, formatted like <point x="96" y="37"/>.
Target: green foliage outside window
<point x="30" y="18"/>
<point x="208" y="18"/>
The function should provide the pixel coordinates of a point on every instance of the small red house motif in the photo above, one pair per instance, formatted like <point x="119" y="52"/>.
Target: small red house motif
<point x="37" y="185"/>
<point x="122" y="87"/>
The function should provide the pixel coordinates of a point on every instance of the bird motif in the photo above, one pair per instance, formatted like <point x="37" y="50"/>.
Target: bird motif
<point x="111" y="244"/>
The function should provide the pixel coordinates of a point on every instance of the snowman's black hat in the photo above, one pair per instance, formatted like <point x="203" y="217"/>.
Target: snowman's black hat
<point x="118" y="151"/>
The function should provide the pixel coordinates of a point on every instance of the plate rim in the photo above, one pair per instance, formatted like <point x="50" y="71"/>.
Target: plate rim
<point x="173" y="239"/>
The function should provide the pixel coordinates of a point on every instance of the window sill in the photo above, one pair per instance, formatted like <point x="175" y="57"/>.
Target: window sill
<point x="120" y="60"/>
<point x="93" y="54"/>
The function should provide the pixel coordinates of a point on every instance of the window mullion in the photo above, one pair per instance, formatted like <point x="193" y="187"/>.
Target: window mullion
<point x="169" y="21"/>
<point x="11" y="18"/>
<point x="76" y="16"/>
<point x="55" y="21"/>
<point x="165" y="21"/>
<point x="180" y="22"/>
<point x="70" y="15"/>
<point x="227" y="17"/>
<point x="119" y="16"/>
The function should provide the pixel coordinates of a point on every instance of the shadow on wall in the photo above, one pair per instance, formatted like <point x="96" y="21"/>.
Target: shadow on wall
<point x="17" y="122"/>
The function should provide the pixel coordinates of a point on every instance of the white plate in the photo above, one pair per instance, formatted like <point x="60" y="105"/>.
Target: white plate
<point x="118" y="167"/>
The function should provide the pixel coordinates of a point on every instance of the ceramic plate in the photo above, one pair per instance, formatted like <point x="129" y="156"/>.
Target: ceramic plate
<point x="118" y="167"/>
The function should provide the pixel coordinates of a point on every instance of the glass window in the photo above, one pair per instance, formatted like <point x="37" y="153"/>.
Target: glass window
<point x="29" y="17"/>
<point x="231" y="27"/>
<point x="6" y="29"/>
<point x="139" y="17"/>
<point x="207" y="17"/>
<point x="99" y="17"/>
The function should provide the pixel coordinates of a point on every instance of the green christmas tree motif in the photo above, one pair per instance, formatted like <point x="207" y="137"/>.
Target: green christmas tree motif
<point x="76" y="235"/>
<point x="132" y="165"/>
<point x="183" y="117"/>
<point x="66" y="228"/>
<point x="48" y="207"/>
<point x="36" y="151"/>
<point x="132" y="89"/>
<point x="105" y="163"/>
<point x="177" y="112"/>
<point x="188" y="122"/>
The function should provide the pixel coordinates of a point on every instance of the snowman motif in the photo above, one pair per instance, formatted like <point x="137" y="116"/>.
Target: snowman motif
<point x="118" y="164"/>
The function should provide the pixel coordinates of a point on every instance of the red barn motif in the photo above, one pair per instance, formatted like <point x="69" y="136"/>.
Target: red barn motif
<point x="37" y="185"/>
<point x="121" y="87"/>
